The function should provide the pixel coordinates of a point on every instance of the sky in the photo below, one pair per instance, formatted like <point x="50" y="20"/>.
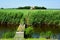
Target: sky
<point x="18" y="3"/>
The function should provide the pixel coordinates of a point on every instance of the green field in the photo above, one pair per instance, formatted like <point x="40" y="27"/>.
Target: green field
<point x="16" y="16"/>
<point x="51" y="19"/>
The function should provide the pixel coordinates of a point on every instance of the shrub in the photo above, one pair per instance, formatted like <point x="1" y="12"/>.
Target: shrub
<point x="8" y="35"/>
<point x="28" y="31"/>
<point x="46" y="34"/>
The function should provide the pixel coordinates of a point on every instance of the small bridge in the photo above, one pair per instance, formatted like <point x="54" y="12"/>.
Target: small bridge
<point x="19" y="36"/>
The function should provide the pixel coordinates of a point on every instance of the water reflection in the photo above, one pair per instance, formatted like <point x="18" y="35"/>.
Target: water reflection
<point x="8" y="30"/>
<point x="54" y="36"/>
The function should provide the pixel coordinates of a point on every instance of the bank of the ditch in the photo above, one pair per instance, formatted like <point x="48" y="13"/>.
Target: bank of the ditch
<point x="18" y="36"/>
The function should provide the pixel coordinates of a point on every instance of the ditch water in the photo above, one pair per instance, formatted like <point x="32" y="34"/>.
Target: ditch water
<point x="37" y="35"/>
<point x="7" y="30"/>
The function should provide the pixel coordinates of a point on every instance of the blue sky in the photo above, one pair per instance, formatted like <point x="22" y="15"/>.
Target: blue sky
<point x="18" y="3"/>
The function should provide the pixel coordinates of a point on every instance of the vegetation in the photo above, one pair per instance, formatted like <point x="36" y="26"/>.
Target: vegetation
<point x="10" y="17"/>
<point x="1" y="8"/>
<point x="44" y="21"/>
<point x="40" y="20"/>
<point x="9" y="21"/>
<point x="28" y="7"/>
<point x="36" y="7"/>
<point x="28" y="31"/>
<point x="9" y="35"/>
<point x="46" y="34"/>
<point x="36" y="39"/>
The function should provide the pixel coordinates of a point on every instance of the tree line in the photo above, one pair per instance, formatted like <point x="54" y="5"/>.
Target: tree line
<point x="29" y="7"/>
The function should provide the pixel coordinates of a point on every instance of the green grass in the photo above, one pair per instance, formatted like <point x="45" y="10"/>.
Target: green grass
<point x="36" y="39"/>
<point x="13" y="39"/>
<point x="25" y="39"/>
<point x="6" y="39"/>
<point x="40" y="39"/>
<point x="29" y="39"/>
